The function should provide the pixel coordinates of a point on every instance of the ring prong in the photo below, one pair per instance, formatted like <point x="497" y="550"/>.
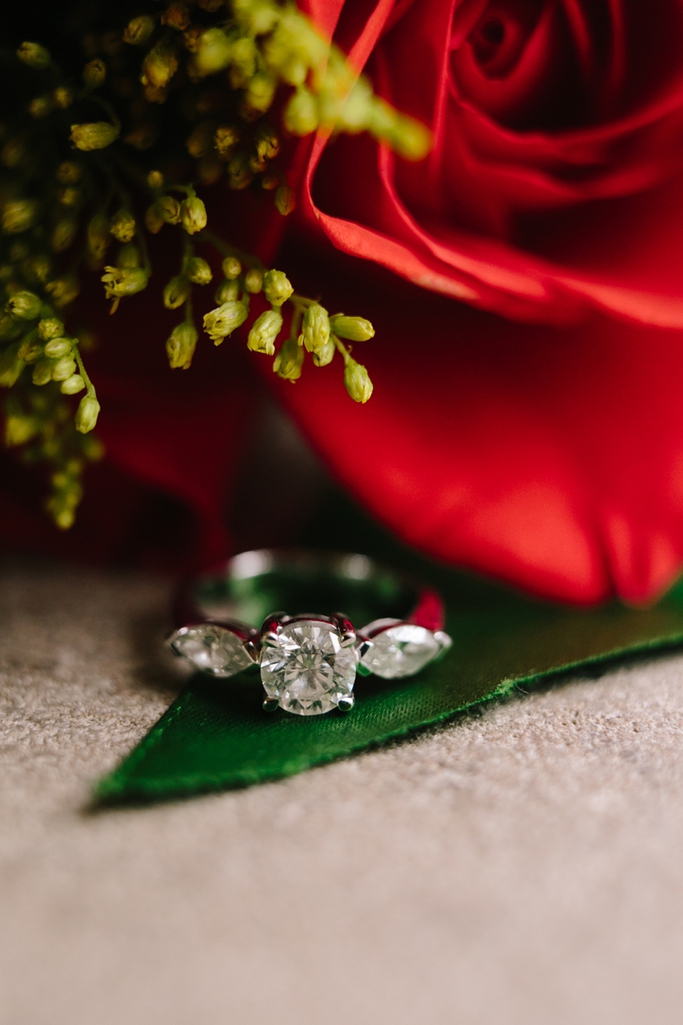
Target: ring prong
<point x="252" y="649"/>
<point x="271" y="627"/>
<point x="270" y="705"/>
<point x="346" y="703"/>
<point x="346" y="629"/>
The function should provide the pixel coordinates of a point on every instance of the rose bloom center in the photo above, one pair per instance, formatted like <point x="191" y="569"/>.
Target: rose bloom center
<point x="306" y="669"/>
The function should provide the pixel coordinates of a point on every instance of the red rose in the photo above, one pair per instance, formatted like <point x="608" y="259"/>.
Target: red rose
<point x="550" y="454"/>
<point x="553" y="183"/>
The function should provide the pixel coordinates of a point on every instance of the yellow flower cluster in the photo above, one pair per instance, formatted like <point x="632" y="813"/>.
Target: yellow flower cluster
<point x="177" y="100"/>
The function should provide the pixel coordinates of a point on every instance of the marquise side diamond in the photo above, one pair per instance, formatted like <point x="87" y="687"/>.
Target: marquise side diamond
<point x="213" y="649"/>
<point x="401" y="650"/>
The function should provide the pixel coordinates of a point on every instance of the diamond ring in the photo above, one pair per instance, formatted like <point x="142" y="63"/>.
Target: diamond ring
<point x="308" y="661"/>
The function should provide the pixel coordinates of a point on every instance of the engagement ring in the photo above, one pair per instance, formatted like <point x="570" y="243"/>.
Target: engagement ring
<point x="308" y="661"/>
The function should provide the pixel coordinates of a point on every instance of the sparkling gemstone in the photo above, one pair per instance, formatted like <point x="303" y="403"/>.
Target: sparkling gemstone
<point x="305" y="667"/>
<point x="401" y="651"/>
<point x="212" y="648"/>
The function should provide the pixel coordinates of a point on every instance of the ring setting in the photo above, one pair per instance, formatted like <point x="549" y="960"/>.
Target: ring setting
<point x="309" y="663"/>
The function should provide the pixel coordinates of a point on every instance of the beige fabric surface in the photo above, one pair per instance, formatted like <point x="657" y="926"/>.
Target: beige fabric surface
<point x="524" y="865"/>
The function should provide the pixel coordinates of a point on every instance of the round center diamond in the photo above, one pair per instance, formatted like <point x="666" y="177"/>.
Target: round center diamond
<point x="306" y="669"/>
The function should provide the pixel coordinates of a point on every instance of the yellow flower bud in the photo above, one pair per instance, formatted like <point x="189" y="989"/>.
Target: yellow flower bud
<point x="63" y="234"/>
<point x="13" y="152"/>
<point x="253" y="280"/>
<point x="122" y="281"/>
<point x="225" y="139"/>
<point x="69" y="196"/>
<point x="357" y="381"/>
<point x="285" y="200"/>
<point x="222" y="321"/>
<point x="243" y="61"/>
<point x="144" y="133"/>
<point x="176" y="292"/>
<point x="260" y="92"/>
<point x="408" y="137"/>
<point x="201" y="140"/>
<point x="155" y="180"/>
<point x="181" y="345"/>
<point x="138" y="31"/>
<point x="34" y="55"/>
<point x="58" y="347"/>
<point x="122" y="226"/>
<point x="227" y="291"/>
<point x="63" y="96"/>
<point x="96" y="135"/>
<point x="240" y="174"/>
<point x="176" y="16"/>
<point x="41" y="106"/>
<point x="301" y="113"/>
<point x="315" y="328"/>
<point x="72" y="385"/>
<point x="25" y="305"/>
<point x="19" y="430"/>
<point x="198" y="271"/>
<point x="10" y="367"/>
<point x="356" y="329"/>
<point x="87" y="413"/>
<point x="289" y="360"/>
<point x="50" y="327"/>
<point x="30" y="351"/>
<point x="264" y="332"/>
<point x="42" y="372"/>
<point x="213" y="52"/>
<point x="18" y="215"/>
<point x="98" y="236"/>
<point x="257" y="16"/>
<point x="193" y="215"/>
<point x="154" y="222"/>
<point x="267" y="142"/>
<point x="159" y="66"/>
<point x="39" y="266"/>
<point x="63" y="369"/>
<point x="170" y="209"/>
<point x="63" y="290"/>
<point x="325" y="355"/>
<point x="94" y="74"/>
<point x="277" y="287"/>
<point x="69" y="173"/>
<point x="231" y="267"/>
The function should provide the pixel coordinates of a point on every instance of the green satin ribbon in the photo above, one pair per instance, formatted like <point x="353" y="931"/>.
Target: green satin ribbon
<point x="215" y="735"/>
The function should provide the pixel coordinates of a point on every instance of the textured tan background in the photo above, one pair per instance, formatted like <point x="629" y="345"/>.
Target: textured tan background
<point x="524" y="865"/>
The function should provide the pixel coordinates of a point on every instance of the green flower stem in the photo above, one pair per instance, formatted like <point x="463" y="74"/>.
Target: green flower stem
<point x="295" y="325"/>
<point x="140" y="236"/>
<point x="89" y="386"/>
<point x="342" y="349"/>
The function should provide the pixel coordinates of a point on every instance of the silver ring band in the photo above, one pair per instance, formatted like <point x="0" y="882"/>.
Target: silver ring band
<point x="308" y="661"/>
